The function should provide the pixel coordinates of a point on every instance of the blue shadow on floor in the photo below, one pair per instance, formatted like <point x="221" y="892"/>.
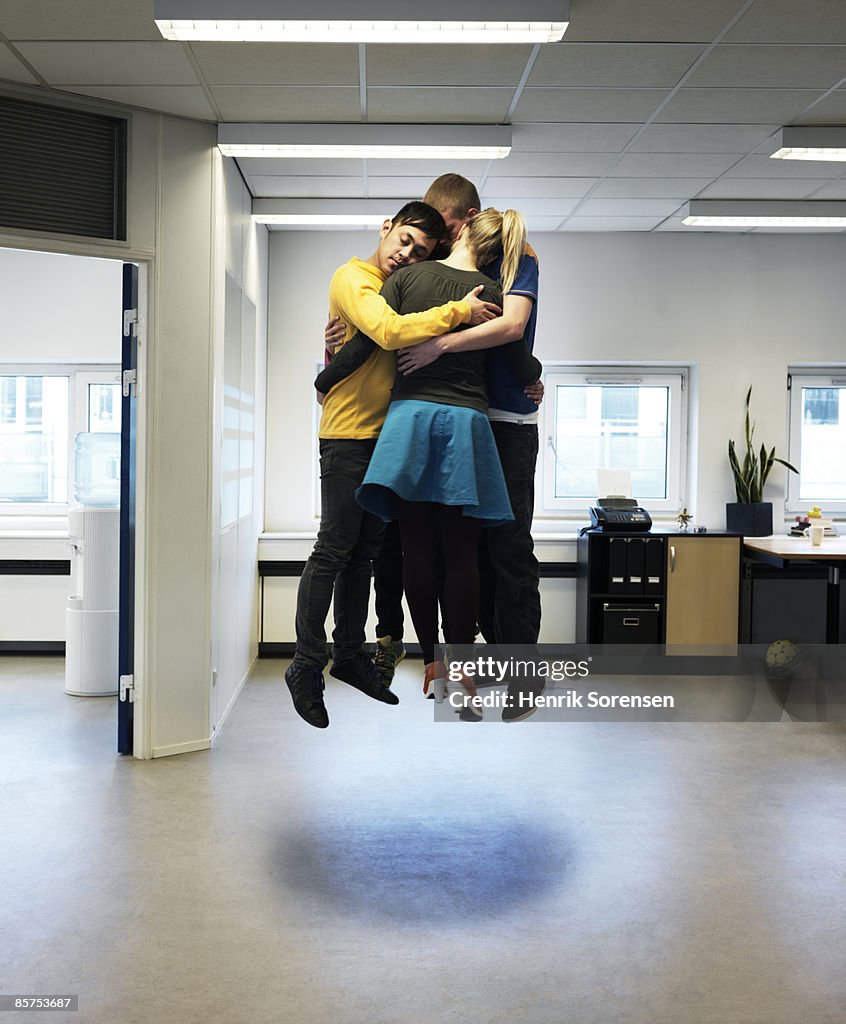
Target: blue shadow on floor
<point x="429" y="870"/>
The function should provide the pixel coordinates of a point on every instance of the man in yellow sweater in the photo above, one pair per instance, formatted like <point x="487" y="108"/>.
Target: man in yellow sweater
<point x="353" y="413"/>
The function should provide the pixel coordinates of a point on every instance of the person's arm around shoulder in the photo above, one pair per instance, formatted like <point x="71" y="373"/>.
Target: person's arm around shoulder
<point x="373" y="314"/>
<point x="516" y="310"/>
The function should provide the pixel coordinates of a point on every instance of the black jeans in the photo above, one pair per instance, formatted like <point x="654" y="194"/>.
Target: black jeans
<point x="387" y="583"/>
<point x="509" y="605"/>
<point x="348" y="540"/>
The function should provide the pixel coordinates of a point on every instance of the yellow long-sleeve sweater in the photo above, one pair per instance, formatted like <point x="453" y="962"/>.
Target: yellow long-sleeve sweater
<point x="356" y="407"/>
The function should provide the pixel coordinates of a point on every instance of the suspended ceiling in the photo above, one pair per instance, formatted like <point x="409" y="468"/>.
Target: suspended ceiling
<point x="643" y="105"/>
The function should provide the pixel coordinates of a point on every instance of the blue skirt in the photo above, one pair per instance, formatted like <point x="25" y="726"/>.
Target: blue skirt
<point x="439" y="453"/>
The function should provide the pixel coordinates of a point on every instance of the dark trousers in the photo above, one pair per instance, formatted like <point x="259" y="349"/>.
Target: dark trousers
<point x="509" y="606"/>
<point x="348" y="540"/>
<point x="387" y="583"/>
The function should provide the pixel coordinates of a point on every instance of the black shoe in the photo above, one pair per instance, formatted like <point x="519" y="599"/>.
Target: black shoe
<point x="306" y="686"/>
<point x="522" y="697"/>
<point x="362" y="674"/>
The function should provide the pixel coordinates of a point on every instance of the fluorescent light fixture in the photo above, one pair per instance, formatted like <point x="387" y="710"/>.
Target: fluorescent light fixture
<point x="825" y="143"/>
<point x="324" y="213"/>
<point x="366" y="141"/>
<point x="764" y="213"/>
<point x="378" y="21"/>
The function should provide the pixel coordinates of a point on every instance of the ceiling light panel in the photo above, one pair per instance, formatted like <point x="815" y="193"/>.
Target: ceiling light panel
<point x="752" y="213"/>
<point x="365" y="141"/>
<point x="474" y="21"/>
<point x="824" y="143"/>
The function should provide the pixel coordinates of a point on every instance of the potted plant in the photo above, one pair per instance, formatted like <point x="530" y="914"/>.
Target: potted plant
<point x="750" y="514"/>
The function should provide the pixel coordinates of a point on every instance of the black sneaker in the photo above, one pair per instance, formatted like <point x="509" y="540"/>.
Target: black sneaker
<point x="361" y="673"/>
<point x="522" y="697"/>
<point x="306" y="686"/>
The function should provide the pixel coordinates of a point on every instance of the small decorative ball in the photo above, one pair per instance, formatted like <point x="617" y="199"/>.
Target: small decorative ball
<point x="782" y="658"/>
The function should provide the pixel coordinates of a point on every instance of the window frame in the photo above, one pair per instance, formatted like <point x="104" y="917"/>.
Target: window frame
<point x="824" y="376"/>
<point x="676" y="376"/>
<point x="79" y="375"/>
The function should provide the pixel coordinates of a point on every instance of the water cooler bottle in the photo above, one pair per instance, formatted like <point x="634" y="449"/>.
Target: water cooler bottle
<point x="91" y="620"/>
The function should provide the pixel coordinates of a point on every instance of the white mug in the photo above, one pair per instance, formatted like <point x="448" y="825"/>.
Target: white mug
<point x="816" y="534"/>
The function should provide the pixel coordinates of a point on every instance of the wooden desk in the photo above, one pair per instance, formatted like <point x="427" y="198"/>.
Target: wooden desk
<point x="780" y="551"/>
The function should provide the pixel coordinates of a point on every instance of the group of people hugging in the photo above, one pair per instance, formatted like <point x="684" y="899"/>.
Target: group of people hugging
<point x="428" y="444"/>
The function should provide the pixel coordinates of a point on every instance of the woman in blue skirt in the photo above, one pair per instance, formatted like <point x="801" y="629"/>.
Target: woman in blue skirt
<point x="435" y="466"/>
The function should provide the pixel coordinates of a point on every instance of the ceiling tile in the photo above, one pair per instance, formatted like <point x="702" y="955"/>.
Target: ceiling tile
<point x="530" y="207"/>
<point x="530" y="165"/>
<point x="672" y="165"/>
<point x="181" y="100"/>
<point x="472" y="169"/>
<point x="831" y="110"/>
<point x="286" y="103"/>
<point x="268" y="167"/>
<point x="737" y="106"/>
<point x="648" y="20"/>
<point x="612" y="105"/>
<point x="277" y="63"/>
<point x="446" y="65"/>
<point x="771" y="67"/>
<point x="400" y="188"/>
<point x="649" y="188"/>
<point x="540" y="225"/>
<point x="276" y="186"/>
<point x="444" y="106"/>
<point x="78" y="19"/>
<point x="12" y="70"/>
<point x="702" y="138"/>
<point x="759" y="188"/>
<point x="610" y="223"/>
<point x="786" y="21"/>
<point x="831" y="190"/>
<point x="570" y="138"/>
<point x="628" y="207"/>
<point x="112" y="63"/>
<point x="613" y="64"/>
<point x="543" y="187"/>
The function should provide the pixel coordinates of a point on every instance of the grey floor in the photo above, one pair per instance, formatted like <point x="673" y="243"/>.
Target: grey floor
<point x="395" y="871"/>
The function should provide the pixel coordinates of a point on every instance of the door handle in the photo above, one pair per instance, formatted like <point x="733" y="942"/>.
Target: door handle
<point x="672" y="558"/>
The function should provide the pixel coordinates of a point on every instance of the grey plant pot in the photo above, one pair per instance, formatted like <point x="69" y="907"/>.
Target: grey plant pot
<point x="752" y="519"/>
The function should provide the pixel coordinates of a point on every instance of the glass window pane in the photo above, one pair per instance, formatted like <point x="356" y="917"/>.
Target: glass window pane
<point x="34" y="439"/>
<point x="104" y="407"/>
<point x="823" y="446"/>
<point x="8" y="399"/>
<point x="611" y="426"/>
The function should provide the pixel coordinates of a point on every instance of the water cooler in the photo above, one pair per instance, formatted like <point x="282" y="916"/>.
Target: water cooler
<point x="91" y="619"/>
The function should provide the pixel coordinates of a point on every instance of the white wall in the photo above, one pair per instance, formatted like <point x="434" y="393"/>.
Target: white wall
<point x="59" y="309"/>
<point x="740" y="308"/>
<point x="240" y="341"/>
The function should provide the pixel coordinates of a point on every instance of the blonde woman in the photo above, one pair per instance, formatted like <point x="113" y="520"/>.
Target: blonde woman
<point x="435" y="466"/>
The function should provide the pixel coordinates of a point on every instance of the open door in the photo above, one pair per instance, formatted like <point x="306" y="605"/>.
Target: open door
<point x="126" y="596"/>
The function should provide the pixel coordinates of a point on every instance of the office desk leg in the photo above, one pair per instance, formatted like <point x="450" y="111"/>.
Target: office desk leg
<point x="832" y="606"/>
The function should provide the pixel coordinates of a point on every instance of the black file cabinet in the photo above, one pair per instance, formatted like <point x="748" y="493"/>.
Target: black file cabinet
<point x="674" y="589"/>
<point x="621" y="589"/>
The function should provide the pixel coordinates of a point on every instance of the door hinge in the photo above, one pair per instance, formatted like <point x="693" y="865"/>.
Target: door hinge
<point x="127" y="688"/>
<point x="130" y="318"/>
<point x="130" y="380"/>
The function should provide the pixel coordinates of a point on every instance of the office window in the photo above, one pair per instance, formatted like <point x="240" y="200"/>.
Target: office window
<point x="817" y="445"/>
<point x="41" y="411"/>
<point x="614" y="418"/>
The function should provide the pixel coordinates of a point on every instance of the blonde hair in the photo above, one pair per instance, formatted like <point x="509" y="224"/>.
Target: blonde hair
<point x="454" y="194"/>
<point x="491" y="234"/>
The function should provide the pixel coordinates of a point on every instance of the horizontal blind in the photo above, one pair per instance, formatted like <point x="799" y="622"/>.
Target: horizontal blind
<point x="62" y="171"/>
